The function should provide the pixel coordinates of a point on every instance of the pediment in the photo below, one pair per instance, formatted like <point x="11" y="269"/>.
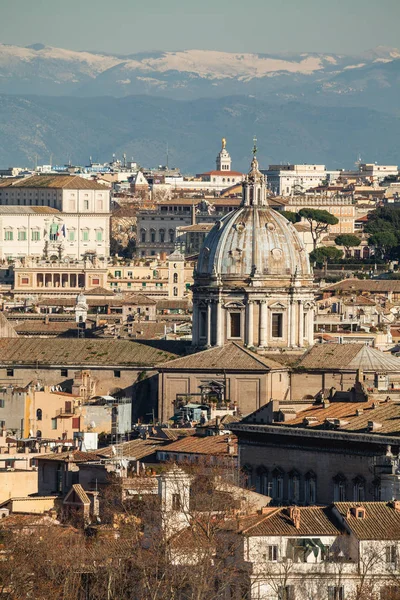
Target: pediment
<point x="278" y="306"/>
<point x="234" y="304"/>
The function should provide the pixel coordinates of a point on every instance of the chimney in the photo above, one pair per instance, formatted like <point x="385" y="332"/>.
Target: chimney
<point x="294" y="515"/>
<point x="231" y="448"/>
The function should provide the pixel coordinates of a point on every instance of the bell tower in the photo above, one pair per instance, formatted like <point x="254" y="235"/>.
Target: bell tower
<point x="224" y="161"/>
<point x="254" y="185"/>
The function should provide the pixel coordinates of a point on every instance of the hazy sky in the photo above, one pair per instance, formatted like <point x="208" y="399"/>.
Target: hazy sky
<point x="126" y="26"/>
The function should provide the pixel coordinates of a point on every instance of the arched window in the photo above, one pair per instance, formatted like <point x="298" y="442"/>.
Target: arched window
<point x="143" y="236"/>
<point x="247" y="476"/>
<point x="359" y="489"/>
<point x="311" y="487"/>
<point x="162" y="235"/>
<point x="277" y="484"/>
<point x="152" y="235"/>
<point x="39" y="414"/>
<point x="171" y="236"/>
<point x="175" y="277"/>
<point x="175" y="291"/>
<point x="294" y="487"/>
<point x="339" y="488"/>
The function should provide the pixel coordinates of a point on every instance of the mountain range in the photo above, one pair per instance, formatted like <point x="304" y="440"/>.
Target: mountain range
<point x="75" y="104"/>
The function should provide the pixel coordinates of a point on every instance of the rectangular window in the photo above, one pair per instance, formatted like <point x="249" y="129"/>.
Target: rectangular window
<point x="22" y="236"/>
<point x="54" y="423"/>
<point x="2" y="403"/>
<point x="10" y="372"/>
<point x="335" y="592"/>
<point x="277" y="325"/>
<point x="391" y="554"/>
<point x="272" y="553"/>
<point x="75" y="423"/>
<point x="64" y="372"/>
<point x="71" y="236"/>
<point x="235" y="325"/>
<point x="117" y="373"/>
<point x="176" y="502"/>
<point x="99" y="236"/>
<point x="36" y="236"/>
<point x="117" y="273"/>
<point x="8" y="236"/>
<point x="85" y="235"/>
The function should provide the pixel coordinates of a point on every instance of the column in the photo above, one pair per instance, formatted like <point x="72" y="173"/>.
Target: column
<point x="263" y="324"/>
<point x="311" y="326"/>
<point x="195" y="324"/>
<point x="249" y="323"/>
<point x="208" y="341"/>
<point x="220" y="324"/>
<point x="293" y="316"/>
<point x="301" y="324"/>
<point x="288" y="324"/>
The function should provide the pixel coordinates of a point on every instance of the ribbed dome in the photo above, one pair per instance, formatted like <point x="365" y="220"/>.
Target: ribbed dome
<point x="253" y="240"/>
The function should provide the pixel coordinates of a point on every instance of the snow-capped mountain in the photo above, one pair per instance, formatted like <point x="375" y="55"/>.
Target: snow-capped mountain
<point x="191" y="74"/>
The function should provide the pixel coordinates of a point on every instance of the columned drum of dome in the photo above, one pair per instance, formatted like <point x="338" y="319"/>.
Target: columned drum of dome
<point x="253" y="282"/>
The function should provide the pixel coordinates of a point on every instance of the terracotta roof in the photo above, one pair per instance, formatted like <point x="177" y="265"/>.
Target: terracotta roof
<point x="385" y="416"/>
<point x="171" y="303"/>
<point x="39" y="326"/>
<point x="314" y="520"/>
<point x="138" y="300"/>
<point x="365" y="285"/>
<point x="348" y="357"/>
<point x="69" y="182"/>
<point x="80" y="492"/>
<point x="210" y="445"/>
<point x="197" y="227"/>
<point x="137" y="449"/>
<point x="359" y="301"/>
<point x="27" y="351"/>
<point x="381" y="522"/>
<point x="231" y="357"/>
<point x="74" y="456"/>
<point x="98" y="291"/>
<point x="30" y="210"/>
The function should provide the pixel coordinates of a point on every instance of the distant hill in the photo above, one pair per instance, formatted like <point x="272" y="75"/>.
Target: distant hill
<point x="141" y="126"/>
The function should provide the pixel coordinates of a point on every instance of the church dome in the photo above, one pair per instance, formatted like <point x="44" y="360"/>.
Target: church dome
<point x="253" y="240"/>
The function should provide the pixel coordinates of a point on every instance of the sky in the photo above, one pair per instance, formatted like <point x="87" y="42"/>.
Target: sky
<point x="264" y="26"/>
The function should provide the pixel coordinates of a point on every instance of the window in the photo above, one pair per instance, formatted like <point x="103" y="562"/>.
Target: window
<point x="71" y="235"/>
<point x="335" y="592"/>
<point x="359" y="489"/>
<point x="277" y="325"/>
<point x="39" y="414"/>
<point x="85" y="235"/>
<point x="152" y="235"/>
<point x="391" y="554"/>
<point x="294" y="487"/>
<point x="36" y="236"/>
<point x="54" y="423"/>
<point x="99" y="235"/>
<point x="2" y="403"/>
<point x="162" y="235"/>
<point x="117" y="373"/>
<point x="277" y="485"/>
<point x="176" y="502"/>
<point x="143" y="236"/>
<point x="171" y="235"/>
<point x="272" y="553"/>
<point x="22" y="235"/>
<point x="235" y="324"/>
<point x="286" y="592"/>
<point x="10" y="372"/>
<point x="64" y="372"/>
<point x="175" y="277"/>
<point x="86" y="205"/>
<point x="175" y="291"/>
<point x="8" y="235"/>
<point x="75" y="423"/>
<point x="339" y="488"/>
<point x="311" y="488"/>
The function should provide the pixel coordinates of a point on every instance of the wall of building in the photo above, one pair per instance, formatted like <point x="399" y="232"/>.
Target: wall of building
<point x="17" y="483"/>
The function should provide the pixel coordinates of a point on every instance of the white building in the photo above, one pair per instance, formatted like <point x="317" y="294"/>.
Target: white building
<point x="285" y="180"/>
<point x="57" y="215"/>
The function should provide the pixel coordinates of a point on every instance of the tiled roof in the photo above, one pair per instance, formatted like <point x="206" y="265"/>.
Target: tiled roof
<point x="39" y="326"/>
<point x="365" y="285"/>
<point x="77" y="352"/>
<point x="30" y="210"/>
<point x="314" y="520"/>
<point x="381" y="522"/>
<point x="138" y="300"/>
<point x="69" y="182"/>
<point x="171" y="303"/>
<point x="231" y="357"/>
<point x="210" y="445"/>
<point x="385" y="415"/>
<point x="359" y="301"/>
<point x="137" y="449"/>
<point x="80" y="492"/>
<point x="98" y="291"/>
<point x="74" y="456"/>
<point x="350" y="357"/>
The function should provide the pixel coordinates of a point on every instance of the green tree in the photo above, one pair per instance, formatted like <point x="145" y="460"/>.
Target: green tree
<point x="347" y="240"/>
<point x="291" y="216"/>
<point x="383" y="241"/>
<point x="325" y="255"/>
<point x="319" y="221"/>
